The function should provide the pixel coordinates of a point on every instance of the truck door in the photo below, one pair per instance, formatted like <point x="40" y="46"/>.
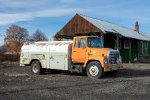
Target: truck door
<point x="79" y="50"/>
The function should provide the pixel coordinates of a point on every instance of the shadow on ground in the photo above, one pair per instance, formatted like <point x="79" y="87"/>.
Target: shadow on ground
<point x="129" y="73"/>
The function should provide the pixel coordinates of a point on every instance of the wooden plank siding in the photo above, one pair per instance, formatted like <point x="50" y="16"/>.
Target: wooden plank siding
<point x="77" y="26"/>
<point x="144" y="55"/>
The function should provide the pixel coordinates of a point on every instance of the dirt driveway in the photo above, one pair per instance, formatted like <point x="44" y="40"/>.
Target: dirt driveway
<point x="131" y="83"/>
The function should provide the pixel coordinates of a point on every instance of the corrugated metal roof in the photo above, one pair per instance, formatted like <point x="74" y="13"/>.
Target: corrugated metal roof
<point x="116" y="29"/>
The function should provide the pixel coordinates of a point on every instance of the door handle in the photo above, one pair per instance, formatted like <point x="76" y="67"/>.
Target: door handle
<point x="74" y="51"/>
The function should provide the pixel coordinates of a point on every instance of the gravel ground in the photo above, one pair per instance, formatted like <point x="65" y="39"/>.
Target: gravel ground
<point x="131" y="83"/>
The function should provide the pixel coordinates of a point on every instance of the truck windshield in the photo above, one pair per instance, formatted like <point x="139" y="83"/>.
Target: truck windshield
<point x="94" y="42"/>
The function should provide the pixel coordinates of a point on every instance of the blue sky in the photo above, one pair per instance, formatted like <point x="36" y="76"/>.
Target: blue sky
<point x="51" y="15"/>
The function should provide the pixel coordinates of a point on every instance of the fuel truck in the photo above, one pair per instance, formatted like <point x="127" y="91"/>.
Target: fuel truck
<point x="84" y="54"/>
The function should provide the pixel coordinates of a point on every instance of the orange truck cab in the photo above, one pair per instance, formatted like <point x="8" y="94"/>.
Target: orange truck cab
<point x="89" y="55"/>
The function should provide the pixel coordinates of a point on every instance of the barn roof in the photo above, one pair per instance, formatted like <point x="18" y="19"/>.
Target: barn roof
<point x="116" y="29"/>
<point x="84" y="25"/>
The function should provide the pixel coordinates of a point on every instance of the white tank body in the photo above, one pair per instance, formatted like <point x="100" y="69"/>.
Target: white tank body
<point x="52" y="55"/>
<point x="54" y="46"/>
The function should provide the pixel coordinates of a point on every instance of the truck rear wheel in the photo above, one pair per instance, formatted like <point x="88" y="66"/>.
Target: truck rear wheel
<point x="94" y="70"/>
<point x="36" y="67"/>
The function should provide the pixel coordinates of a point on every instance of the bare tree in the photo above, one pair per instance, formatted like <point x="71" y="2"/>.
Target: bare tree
<point x="39" y="36"/>
<point x="15" y="38"/>
<point x="14" y="46"/>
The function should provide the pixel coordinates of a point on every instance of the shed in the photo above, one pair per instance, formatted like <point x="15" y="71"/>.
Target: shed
<point x="131" y="43"/>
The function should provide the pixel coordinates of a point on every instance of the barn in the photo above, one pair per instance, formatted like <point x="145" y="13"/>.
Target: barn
<point x="133" y="45"/>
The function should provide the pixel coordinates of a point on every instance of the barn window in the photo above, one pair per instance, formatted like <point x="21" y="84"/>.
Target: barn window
<point x="126" y="44"/>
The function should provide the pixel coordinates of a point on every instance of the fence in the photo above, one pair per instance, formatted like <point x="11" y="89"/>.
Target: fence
<point x="9" y="57"/>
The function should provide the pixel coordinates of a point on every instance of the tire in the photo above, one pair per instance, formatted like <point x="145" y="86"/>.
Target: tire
<point x="94" y="70"/>
<point x="36" y="67"/>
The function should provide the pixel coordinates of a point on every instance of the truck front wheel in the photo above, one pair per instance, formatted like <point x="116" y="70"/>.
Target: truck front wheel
<point x="94" y="70"/>
<point x="36" y="67"/>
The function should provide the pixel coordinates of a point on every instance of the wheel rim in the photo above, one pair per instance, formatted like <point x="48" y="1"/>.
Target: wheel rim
<point x="94" y="70"/>
<point x="35" y="68"/>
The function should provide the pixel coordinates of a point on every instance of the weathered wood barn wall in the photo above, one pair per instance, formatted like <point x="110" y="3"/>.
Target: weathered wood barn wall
<point x="75" y="27"/>
<point x="131" y="44"/>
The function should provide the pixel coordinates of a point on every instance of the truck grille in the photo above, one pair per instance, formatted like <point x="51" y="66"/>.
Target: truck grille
<point x="113" y="56"/>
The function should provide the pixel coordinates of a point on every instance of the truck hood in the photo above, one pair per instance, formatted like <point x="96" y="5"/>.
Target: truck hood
<point x="100" y="51"/>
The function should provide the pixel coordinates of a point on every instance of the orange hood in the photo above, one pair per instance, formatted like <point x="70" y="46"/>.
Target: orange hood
<point x="100" y="51"/>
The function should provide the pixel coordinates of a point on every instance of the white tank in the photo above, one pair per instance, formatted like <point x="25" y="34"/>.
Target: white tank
<point x="52" y="55"/>
<point x="54" y="46"/>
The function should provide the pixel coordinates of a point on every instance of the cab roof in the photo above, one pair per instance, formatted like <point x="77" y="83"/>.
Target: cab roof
<point x="86" y="36"/>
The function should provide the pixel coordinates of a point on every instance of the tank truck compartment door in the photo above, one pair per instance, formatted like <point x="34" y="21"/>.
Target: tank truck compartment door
<point x="79" y="50"/>
<point x="57" y="61"/>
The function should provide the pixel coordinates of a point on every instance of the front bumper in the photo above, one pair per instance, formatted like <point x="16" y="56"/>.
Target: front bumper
<point x="113" y="67"/>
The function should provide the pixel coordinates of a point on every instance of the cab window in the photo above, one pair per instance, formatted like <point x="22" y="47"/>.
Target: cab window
<point x="80" y="43"/>
<point x="94" y="42"/>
